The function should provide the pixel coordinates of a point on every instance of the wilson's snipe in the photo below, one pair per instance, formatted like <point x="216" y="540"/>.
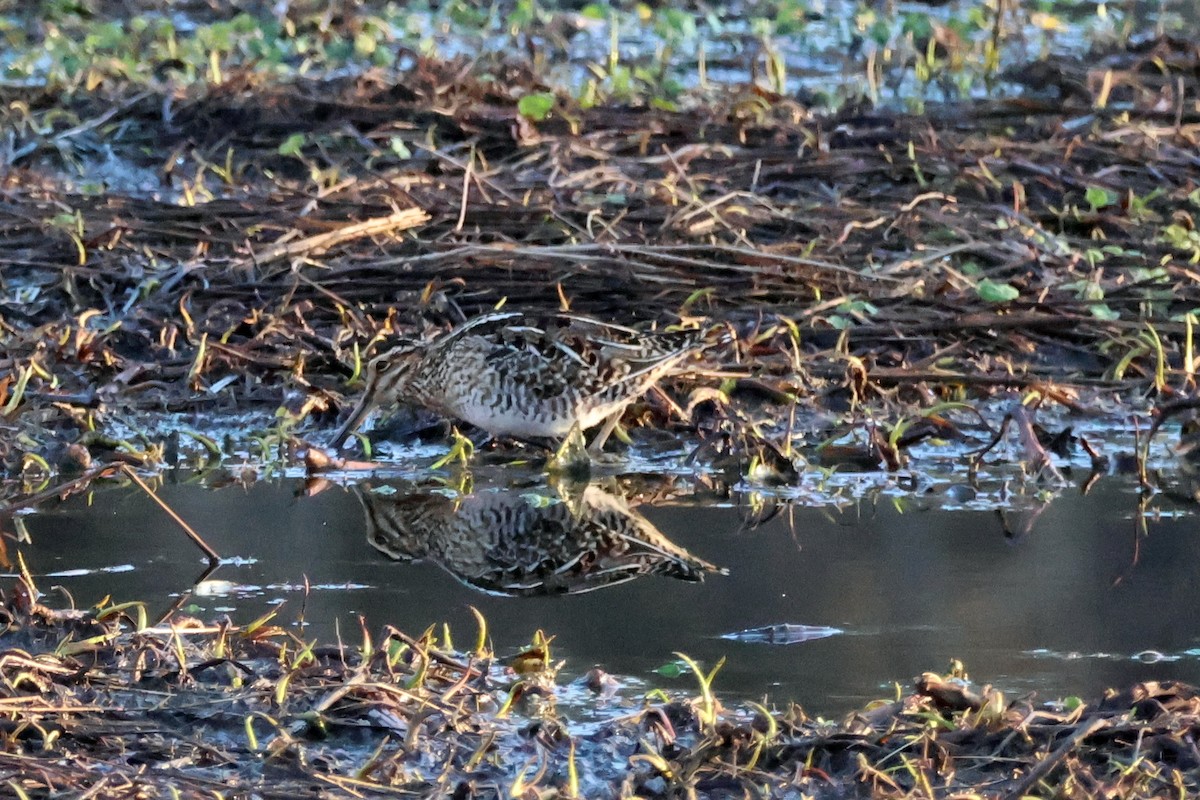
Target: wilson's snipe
<point x="516" y="542"/>
<point x="510" y="376"/>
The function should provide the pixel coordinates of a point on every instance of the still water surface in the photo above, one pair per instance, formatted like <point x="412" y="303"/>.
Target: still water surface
<point x="1077" y="602"/>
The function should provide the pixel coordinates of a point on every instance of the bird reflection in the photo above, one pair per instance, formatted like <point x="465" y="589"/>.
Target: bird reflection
<point x="523" y="543"/>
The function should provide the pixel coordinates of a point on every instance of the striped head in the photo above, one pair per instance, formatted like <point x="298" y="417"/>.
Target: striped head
<point x="389" y="376"/>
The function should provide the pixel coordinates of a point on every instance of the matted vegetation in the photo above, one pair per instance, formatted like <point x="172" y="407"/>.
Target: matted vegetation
<point x="236" y="243"/>
<point x="98" y="704"/>
<point x="221" y="215"/>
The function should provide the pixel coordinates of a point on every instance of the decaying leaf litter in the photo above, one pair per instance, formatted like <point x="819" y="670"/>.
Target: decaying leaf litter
<point x="258" y="234"/>
<point x="867" y="262"/>
<point x="96" y="702"/>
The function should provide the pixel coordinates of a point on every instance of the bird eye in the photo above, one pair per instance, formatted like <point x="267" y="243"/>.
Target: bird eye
<point x="382" y="365"/>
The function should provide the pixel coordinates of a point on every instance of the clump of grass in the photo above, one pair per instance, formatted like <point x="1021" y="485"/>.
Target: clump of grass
<point x="412" y="711"/>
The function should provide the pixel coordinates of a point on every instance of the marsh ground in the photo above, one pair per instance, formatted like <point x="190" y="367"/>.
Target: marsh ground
<point x="956" y="250"/>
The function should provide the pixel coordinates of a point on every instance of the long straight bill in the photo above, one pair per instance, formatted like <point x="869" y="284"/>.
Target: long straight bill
<point x="355" y="419"/>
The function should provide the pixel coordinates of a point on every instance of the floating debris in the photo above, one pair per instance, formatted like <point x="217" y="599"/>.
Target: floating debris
<point x="784" y="633"/>
<point x="78" y="573"/>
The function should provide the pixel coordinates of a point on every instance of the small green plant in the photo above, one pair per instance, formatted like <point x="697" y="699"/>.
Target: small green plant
<point x="1099" y="198"/>
<point x="536" y="106"/>
<point x="850" y="313"/>
<point x="1184" y="238"/>
<point x="1139" y="207"/>
<point x="71" y="223"/>
<point x="707" y="706"/>
<point x="990" y="291"/>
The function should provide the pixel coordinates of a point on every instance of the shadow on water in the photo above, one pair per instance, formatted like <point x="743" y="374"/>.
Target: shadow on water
<point x="1077" y="602"/>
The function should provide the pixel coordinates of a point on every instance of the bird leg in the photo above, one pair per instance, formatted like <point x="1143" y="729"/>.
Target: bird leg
<point x="666" y="398"/>
<point x="461" y="450"/>
<point x="610" y="425"/>
<point x="571" y="460"/>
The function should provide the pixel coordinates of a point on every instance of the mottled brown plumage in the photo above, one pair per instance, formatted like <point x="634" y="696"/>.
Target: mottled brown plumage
<point x="511" y="376"/>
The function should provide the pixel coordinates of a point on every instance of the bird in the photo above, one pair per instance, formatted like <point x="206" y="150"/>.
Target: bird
<point x="512" y="375"/>
<point x="520" y="543"/>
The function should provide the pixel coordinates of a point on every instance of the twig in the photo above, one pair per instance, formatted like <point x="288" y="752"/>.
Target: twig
<point x="310" y="245"/>
<point x="1043" y="767"/>
<point x="185" y="596"/>
<point x="61" y="489"/>
<point x="466" y="192"/>
<point x="213" y="558"/>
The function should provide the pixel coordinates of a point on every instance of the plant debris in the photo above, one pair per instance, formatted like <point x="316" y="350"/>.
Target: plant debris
<point x="208" y="225"/>
<point x="98" y="702"/>
<point x="870" y="264"/>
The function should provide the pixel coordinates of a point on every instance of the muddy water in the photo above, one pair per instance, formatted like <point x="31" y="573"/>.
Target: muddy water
<point x="1061" y="598"/>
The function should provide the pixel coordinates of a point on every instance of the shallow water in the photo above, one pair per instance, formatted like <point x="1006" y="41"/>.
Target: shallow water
<point x="1063" y="597"/>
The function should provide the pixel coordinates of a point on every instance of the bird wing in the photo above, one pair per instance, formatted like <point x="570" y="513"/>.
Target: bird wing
<point x="564" y="353"/>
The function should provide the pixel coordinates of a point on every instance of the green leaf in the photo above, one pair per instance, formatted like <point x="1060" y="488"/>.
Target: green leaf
<point x="598" y="11"/>
<point x="522" y="15"/>
<point x="1098" y="197"/>
<point x="292" y="145"/>
<point x="672" y="669"/>
<point x="992" y="292"/>
<point x="879" y="33"/>
<point x="365" y="43"/>
<point x="838" y="322"/>
<point x="399" y="147"/>
<point x="536" y="106"/>
<point x="673" y="23"/>
<point x="536" y="500"/>
<point x="917" y="24"/>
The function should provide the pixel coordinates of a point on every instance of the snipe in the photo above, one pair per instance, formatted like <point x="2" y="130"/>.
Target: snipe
<point x="510" y="375"/>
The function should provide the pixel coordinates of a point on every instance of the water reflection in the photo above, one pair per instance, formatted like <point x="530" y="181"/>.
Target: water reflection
<point x="521" y="543"/>
<point x="1059" y="593"/>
